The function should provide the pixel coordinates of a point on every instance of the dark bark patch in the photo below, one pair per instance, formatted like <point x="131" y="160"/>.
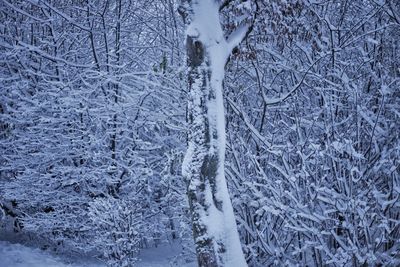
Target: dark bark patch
<point x="195" y="52"/>
<point x="209" y="172"/>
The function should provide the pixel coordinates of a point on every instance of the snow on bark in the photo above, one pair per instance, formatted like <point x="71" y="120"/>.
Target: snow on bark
<point x="214" y="226"/>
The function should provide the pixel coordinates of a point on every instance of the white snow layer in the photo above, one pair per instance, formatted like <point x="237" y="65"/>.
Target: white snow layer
<point x="206" y="26"/>
<point x="17" y="255"/>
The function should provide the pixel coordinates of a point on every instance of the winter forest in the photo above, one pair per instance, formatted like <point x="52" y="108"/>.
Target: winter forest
<point x="240" y="132"/>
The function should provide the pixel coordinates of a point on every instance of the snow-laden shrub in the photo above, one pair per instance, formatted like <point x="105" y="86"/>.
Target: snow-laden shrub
<point x="117" y="225"/>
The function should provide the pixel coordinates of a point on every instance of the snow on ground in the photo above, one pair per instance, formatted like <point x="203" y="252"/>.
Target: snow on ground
<point x="17" y="255"/>
<point x="162" y="256"/>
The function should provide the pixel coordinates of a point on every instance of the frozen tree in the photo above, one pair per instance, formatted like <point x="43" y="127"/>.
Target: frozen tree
<point x="86" y="121"/>
<point x="208" y="49"/>
<point x="313" y="143"/>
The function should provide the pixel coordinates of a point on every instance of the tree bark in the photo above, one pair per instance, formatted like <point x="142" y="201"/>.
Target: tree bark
<point x="214" y="226"/>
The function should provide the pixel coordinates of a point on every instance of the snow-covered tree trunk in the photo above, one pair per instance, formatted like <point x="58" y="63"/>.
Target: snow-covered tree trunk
<point x="214" y="226"/>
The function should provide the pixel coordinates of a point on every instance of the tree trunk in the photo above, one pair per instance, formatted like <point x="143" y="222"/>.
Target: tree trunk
<point x="214" y="226"/>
